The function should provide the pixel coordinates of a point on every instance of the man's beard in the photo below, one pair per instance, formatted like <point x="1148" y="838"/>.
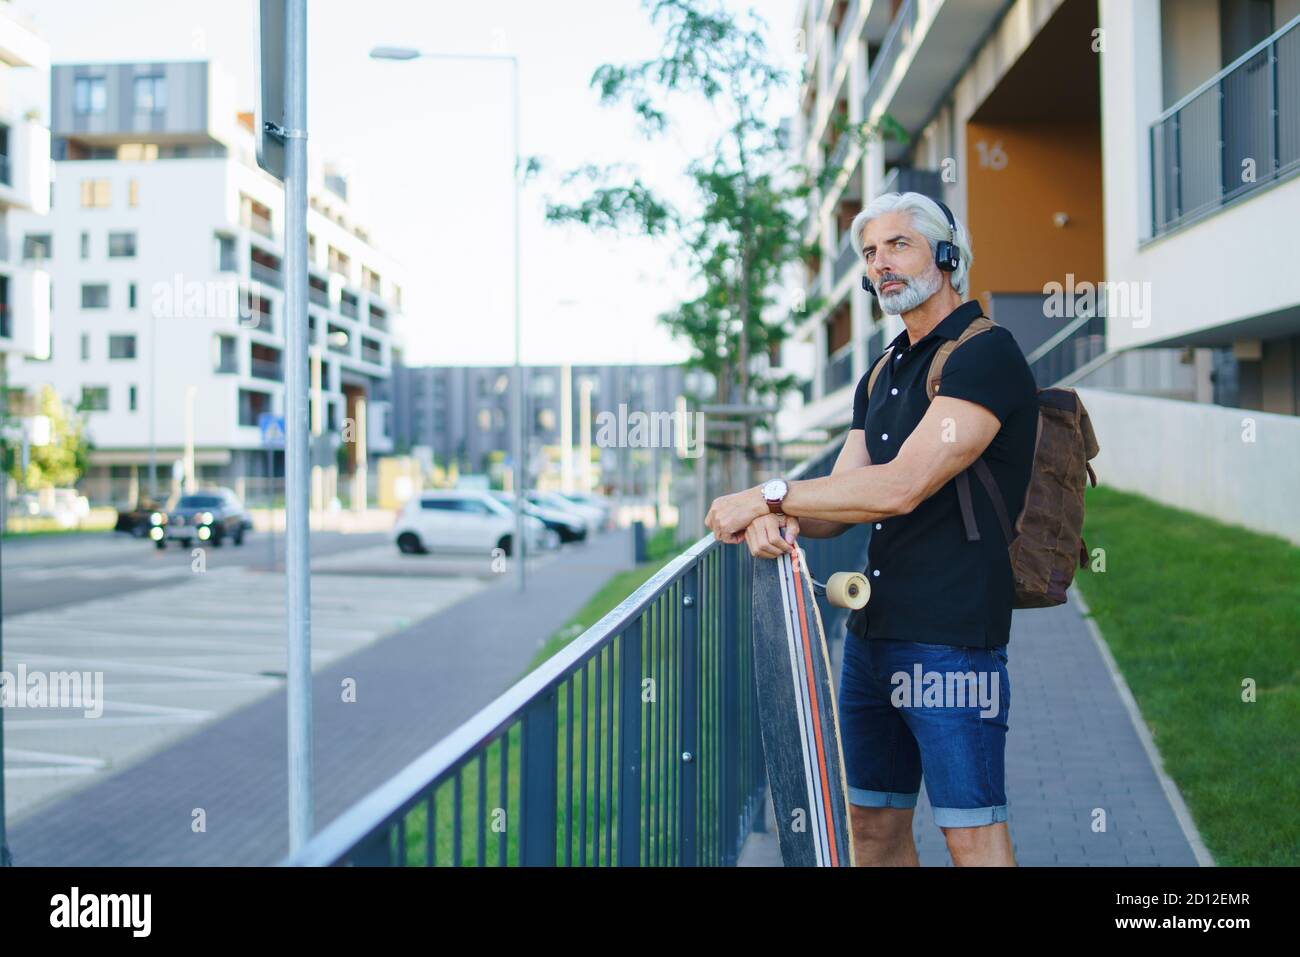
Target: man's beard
<point x="917" y="291"/>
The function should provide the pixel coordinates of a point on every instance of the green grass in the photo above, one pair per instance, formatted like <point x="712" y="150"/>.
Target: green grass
<point x="1192" y="609"/>
<point x="488" y="768"/>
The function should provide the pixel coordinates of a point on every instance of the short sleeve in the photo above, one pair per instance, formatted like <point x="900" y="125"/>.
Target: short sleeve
<point x="989" y="369"/>
<point x="860" y="403"/>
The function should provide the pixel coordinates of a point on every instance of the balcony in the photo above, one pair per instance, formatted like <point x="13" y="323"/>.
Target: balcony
<point x="378" y="319"/>
<point x="6" y="175"/>
<point x="847" y="258"/>
<point x="1246" y="112"/>
<point x="896" y="40"/>
<point x="271" y="369"/>
<point x="838" y="371"/>
<point x="372" y="353"/>
<point x="318" y="290"/>
<point x="263" y="273"/>
<point x="846" y="30"/>
<point x="259" y="224"/>
<point x="348" y="305"/>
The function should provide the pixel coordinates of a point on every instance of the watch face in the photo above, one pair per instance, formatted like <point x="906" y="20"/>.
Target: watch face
<point x="773" y="490"/>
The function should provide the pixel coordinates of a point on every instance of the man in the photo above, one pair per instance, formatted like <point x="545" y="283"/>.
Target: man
<point x="938" y="600"/>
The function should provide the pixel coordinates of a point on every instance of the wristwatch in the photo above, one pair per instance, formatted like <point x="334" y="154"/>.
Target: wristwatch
<point x="774" y="492"/>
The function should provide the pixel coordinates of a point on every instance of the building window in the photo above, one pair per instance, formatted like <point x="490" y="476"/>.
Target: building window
<point x="131" y="396"/>
<point x="131" y="296"/>
<point x="37" y="246"/>
<point x="89" y="94"/>
<point x="85" y="245"/>
<point x="226" y="254"/>
<point x="227" y="358"/>
<point x="94" y="398"/>
<point x="121" y="245"/>
<point x="85" y="346"/>
<point x="121" y="347"/>
<point x="96" y="193"/>
<point x="252" y="405"/>
<point x="150" y="94"/>
<point x="94" y="295"/>
<point x="133" y="192"/>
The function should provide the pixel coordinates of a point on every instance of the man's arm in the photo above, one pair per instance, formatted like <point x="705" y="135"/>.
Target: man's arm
<point x="853" y="455"/>
<point x="952" y="434"/>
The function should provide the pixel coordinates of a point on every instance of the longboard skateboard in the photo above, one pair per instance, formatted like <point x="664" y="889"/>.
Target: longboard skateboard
<point x="797" y="711"/>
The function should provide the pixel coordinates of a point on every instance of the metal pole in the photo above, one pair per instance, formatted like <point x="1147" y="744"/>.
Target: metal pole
<point x="6" y="859"/>
<point x="297" y="428"/>
<point x="521" y="471"/>
<point x="153" y="405"/>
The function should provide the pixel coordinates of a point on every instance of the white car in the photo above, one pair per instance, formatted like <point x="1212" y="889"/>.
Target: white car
<point x="462" y="520"/>
<point x="595" y="516"/>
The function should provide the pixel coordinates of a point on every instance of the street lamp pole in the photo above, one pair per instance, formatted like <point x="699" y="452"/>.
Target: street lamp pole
<point x="517" y="440"/>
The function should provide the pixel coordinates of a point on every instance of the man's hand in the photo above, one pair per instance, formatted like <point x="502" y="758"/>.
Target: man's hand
<point x="764" y="535"/>
<point x="730" y="515"/>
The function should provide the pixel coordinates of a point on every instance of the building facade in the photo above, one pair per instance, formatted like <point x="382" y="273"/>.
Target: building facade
<point x="24" y="190"/>
<point x="463" y="414"/>
<point x="166" y="242"/>
<point x="1093" y="230"/>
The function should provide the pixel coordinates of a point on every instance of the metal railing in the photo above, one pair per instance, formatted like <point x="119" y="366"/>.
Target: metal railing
<point x="317" y="295"/>
<point x="348" y="307"/>
<point x="846" y="30"/>
<point x="635" y="745"/>
<point x="896" y="41"/>
<point x="1077" y="343"/>
<point x="1236" y="132"/>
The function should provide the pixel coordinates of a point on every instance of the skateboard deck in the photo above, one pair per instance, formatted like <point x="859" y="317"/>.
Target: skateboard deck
<point x="798" y="716"/>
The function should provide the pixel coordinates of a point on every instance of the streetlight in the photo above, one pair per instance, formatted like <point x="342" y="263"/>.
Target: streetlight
<point x="517" y="440"/>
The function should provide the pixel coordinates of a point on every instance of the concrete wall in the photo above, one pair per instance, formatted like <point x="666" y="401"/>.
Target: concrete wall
<point x="1195" y="457"/>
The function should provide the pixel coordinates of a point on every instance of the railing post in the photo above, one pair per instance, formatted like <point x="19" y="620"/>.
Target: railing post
<point x="629" y="746"/>
<point x="538" y="789"/>
<point x="1274" y="132"/>
<point x="731" y="635"/>
<point x="688" y="807"/>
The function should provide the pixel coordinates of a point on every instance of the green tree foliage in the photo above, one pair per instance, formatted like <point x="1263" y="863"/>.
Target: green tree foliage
<point x="64" y="459"/>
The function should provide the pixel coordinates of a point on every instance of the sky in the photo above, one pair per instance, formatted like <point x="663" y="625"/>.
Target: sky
<point x="426" y="145"/>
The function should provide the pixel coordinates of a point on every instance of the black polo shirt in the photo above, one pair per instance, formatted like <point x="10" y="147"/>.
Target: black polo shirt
<point x="927" y="582"/>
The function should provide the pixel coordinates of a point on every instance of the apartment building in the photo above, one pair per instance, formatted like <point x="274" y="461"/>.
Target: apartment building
<point x="463" y="414"/>
<point x="166" y="242"/>
<point x="1100" y="235"/>
<point x="24" y="189"/>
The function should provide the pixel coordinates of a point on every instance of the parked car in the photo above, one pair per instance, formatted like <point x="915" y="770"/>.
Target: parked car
<point x="594" y="517"/>
<point x="591" y="500"/>
<point x="463" y="520"/>
<point x="568" y="526"/>
<point x="137" y="521"/>
<point x="207" y="515"/>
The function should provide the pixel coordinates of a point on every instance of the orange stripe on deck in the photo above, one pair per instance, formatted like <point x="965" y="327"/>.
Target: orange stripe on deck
<point x="817" y="724"/>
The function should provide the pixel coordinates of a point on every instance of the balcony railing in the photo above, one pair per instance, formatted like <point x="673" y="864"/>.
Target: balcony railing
<point x="839" y="370"/>
<point x="1076" y="344"/>
<point x="259" y="224"/>
<point x="847" y="257"/>
<point x="266" y="369"/>
<point x="1235" y="133"/>
<point x="319" y="296"/>
<point x="348" y="307"/>
<point x="896" y="41"/>
<point x="369" y="354"/>
<point x="846" y="30"/>
<point x="6" y="171"/>
<point x="588" y="772"/>
<point x="266" y="274"/>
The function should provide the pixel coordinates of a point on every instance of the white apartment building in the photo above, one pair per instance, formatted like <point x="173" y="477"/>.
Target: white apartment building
<point x="166" y="244"/>
<point x="1174" y="204"/>
<point x="24" y="188"/>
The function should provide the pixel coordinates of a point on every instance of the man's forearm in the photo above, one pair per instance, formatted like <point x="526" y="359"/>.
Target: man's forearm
<point x="866" y="494"/>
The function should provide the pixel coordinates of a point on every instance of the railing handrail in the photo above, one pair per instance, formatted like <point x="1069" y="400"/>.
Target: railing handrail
<point x="408" y="786"/>
<point x="1218" y="77"/>
<point x="886" y="53"/>
<point x="1061" y="335"/>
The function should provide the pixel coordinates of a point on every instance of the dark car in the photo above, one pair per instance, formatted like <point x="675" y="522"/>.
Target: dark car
<point x="208" y="515"/>
<point x="136" y="522"/>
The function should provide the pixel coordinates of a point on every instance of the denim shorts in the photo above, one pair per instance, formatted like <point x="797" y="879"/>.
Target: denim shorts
<point x="908" y="708"/>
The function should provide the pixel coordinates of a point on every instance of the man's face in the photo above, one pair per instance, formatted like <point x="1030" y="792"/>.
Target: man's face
<point x="899" y="263"/>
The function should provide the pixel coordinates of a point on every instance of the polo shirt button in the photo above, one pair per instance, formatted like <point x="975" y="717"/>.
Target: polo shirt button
<point x="893" y="392"/>
<point x="884" y="436"/>
<point x="897" y="357"/>
<point x="876" y="572"/>
<point x="877" y="524"/>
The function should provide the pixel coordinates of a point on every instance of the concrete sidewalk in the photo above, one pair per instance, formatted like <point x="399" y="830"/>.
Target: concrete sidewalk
<point x="412" y="688"/>
<point x="1075" y="744"/>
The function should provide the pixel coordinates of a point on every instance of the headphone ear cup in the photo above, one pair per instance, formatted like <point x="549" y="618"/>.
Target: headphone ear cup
<point x="946" y="257"/>
<point x="866" y="284"/>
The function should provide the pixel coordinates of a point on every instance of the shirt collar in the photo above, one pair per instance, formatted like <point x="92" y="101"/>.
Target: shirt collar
<point x="951" y="327"/>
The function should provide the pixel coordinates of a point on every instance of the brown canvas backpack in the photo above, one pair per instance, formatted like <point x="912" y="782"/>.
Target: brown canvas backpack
<point x="1046" y="538"/>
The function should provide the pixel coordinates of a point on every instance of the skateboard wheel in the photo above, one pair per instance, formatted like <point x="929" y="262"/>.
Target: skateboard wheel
<point x="848" y="590"/>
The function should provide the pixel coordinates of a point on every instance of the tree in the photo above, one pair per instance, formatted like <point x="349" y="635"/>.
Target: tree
<point x="64" y="459"/>
<point x="747" y="227"/>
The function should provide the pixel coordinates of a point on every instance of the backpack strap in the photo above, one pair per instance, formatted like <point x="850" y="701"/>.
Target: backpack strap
<point x="977" y="325"/>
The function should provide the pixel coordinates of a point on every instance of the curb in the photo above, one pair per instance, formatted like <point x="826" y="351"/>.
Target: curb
<point x="1172" y="794"/>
